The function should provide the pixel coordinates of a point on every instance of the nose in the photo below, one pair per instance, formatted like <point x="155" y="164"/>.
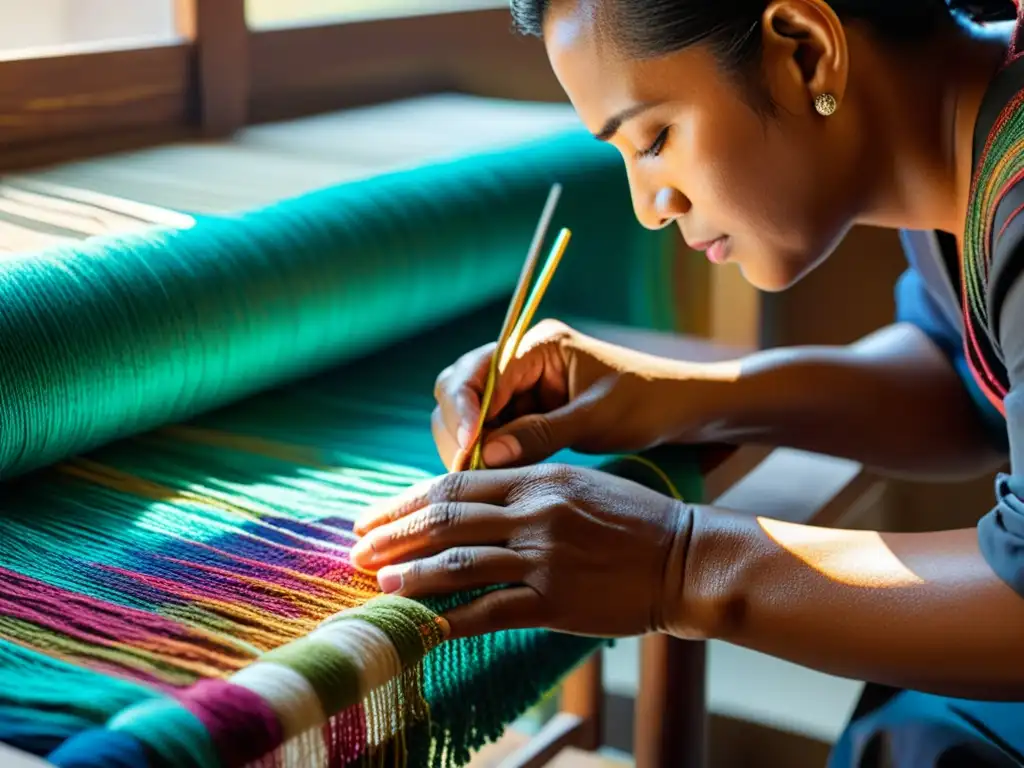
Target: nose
<point x="657" y="208"/>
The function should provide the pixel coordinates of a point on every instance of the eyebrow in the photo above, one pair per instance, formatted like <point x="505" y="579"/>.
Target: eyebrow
<point x="615" y="122"/>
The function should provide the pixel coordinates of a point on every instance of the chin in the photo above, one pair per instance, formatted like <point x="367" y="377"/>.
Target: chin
<point x="774" y="272"/>
<point x="770" y="278"/>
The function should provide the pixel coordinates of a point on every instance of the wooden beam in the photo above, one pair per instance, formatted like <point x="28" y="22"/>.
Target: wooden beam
<point x="305" y="70"/>
<point x="221" y="76"/>
<point x="560" y="732"/>
<point x="582" y="694"/>
<point x="670" y="722"/>
<point x="221" y="37"/>
<point x="799" y="487"/>
<point x="75" y="95"/>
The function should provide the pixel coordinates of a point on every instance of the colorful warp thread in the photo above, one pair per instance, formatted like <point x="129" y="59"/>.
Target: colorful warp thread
<point x="178" y="599"/>
<point x="321" y="699"/>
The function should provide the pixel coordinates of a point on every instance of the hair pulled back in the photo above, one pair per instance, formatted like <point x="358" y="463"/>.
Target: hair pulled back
<point x="652" y="28"/>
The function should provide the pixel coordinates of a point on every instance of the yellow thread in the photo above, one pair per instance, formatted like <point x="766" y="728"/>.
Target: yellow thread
<point x="659" y="472"/>
<point x="246" y="444"/>
<point x="122" y="481"/>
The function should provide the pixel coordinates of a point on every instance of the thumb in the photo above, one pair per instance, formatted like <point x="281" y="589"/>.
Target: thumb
<point x="531" y="439"/>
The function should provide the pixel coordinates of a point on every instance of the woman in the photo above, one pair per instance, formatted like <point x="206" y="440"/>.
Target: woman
<point x="764" y="129"/>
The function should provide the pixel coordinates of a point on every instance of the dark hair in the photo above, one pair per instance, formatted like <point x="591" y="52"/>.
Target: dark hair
<point x="651" y="28"/>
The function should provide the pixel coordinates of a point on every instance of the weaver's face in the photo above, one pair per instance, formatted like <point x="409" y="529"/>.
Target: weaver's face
<point x="761" y="189"/>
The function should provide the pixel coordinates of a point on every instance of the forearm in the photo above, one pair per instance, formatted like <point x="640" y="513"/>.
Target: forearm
<point x="921" y="611"/>
<point x="891" y="401"/>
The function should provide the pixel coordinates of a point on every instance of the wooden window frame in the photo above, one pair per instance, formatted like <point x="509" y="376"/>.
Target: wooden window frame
<point x="222" y="76"/>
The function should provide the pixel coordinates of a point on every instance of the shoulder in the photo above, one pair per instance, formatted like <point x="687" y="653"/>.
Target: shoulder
<point x="1007" y="256"/>
<point x="993" y="247"/>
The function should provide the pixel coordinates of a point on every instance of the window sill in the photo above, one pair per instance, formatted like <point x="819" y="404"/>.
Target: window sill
<point x="223" y="77"/>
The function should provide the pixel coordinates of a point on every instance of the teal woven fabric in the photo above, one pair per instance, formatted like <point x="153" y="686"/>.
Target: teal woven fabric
<point x="109" y="338"/>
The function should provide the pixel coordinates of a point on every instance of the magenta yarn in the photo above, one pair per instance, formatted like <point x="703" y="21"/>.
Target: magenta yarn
<point x="242" y="726"/>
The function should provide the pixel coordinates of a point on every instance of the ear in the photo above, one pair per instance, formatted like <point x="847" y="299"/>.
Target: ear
<point x="805" y="53"/>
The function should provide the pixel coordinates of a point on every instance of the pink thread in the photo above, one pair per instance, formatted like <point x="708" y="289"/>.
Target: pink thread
<point x="242" y="725"/>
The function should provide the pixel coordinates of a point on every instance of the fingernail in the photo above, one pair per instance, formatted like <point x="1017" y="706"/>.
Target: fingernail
<point x="463" y="435"/>
<point x="362" y="552"/>
<point x="459" y="461"/>
<point x="502" y="450"/>
<point x="444" y="626"/>
<point x="390" y="580"/>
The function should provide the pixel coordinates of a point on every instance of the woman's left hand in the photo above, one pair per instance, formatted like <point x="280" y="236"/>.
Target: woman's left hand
<point x="575" y="550"/>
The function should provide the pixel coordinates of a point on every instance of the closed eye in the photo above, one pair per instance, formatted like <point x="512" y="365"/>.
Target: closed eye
<point x="659" y="144"/>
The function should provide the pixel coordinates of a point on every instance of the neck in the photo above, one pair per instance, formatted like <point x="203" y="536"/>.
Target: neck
<point x="926" y="112"/>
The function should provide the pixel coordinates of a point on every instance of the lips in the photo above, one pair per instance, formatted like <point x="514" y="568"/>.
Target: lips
<point x="716" y="250"/>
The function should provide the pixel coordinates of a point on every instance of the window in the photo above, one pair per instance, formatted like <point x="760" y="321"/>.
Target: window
<point x="268" y="14"/>
<point x="38" y="27"/>
<point x="86" y="77"/>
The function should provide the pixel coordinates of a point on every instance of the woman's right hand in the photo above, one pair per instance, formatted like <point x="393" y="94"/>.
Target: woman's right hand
<point x="563" y="390"/>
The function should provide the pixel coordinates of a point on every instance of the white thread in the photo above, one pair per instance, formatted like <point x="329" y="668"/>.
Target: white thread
<point x="287" y="692"/>
<point x="372" y="651"/>
<point x="305" y="751"/>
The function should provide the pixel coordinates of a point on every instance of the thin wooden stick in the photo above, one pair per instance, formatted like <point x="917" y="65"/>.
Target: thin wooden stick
<point x="526" y="319"/>
<point x="515" y="307"/>
<point x="474" y="449"/>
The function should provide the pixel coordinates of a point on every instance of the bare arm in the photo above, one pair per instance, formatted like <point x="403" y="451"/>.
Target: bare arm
<point x="891" y="401"/>
<point x="940" y="612"/>
<point x="922" y="611"/>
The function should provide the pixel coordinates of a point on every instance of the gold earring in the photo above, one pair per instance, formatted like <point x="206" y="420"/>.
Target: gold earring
<point x="825" y="104"/>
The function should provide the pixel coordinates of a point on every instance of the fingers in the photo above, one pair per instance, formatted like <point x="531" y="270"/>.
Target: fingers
<point x="537" y="378"/>
<point x="458" y="391"/>
<point x="534" y="438"/>
<point x="431" y="530"/>
<point x="454" y="570"/>
<point x="484" y="487"/>
<point x="447" y="448"/>
<point x="513" y="608"/>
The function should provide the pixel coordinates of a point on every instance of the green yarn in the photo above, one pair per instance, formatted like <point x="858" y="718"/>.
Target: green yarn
<point x="332" y="674"/>
<point x="474" y="687"/>
<point x="410" y="625"/>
